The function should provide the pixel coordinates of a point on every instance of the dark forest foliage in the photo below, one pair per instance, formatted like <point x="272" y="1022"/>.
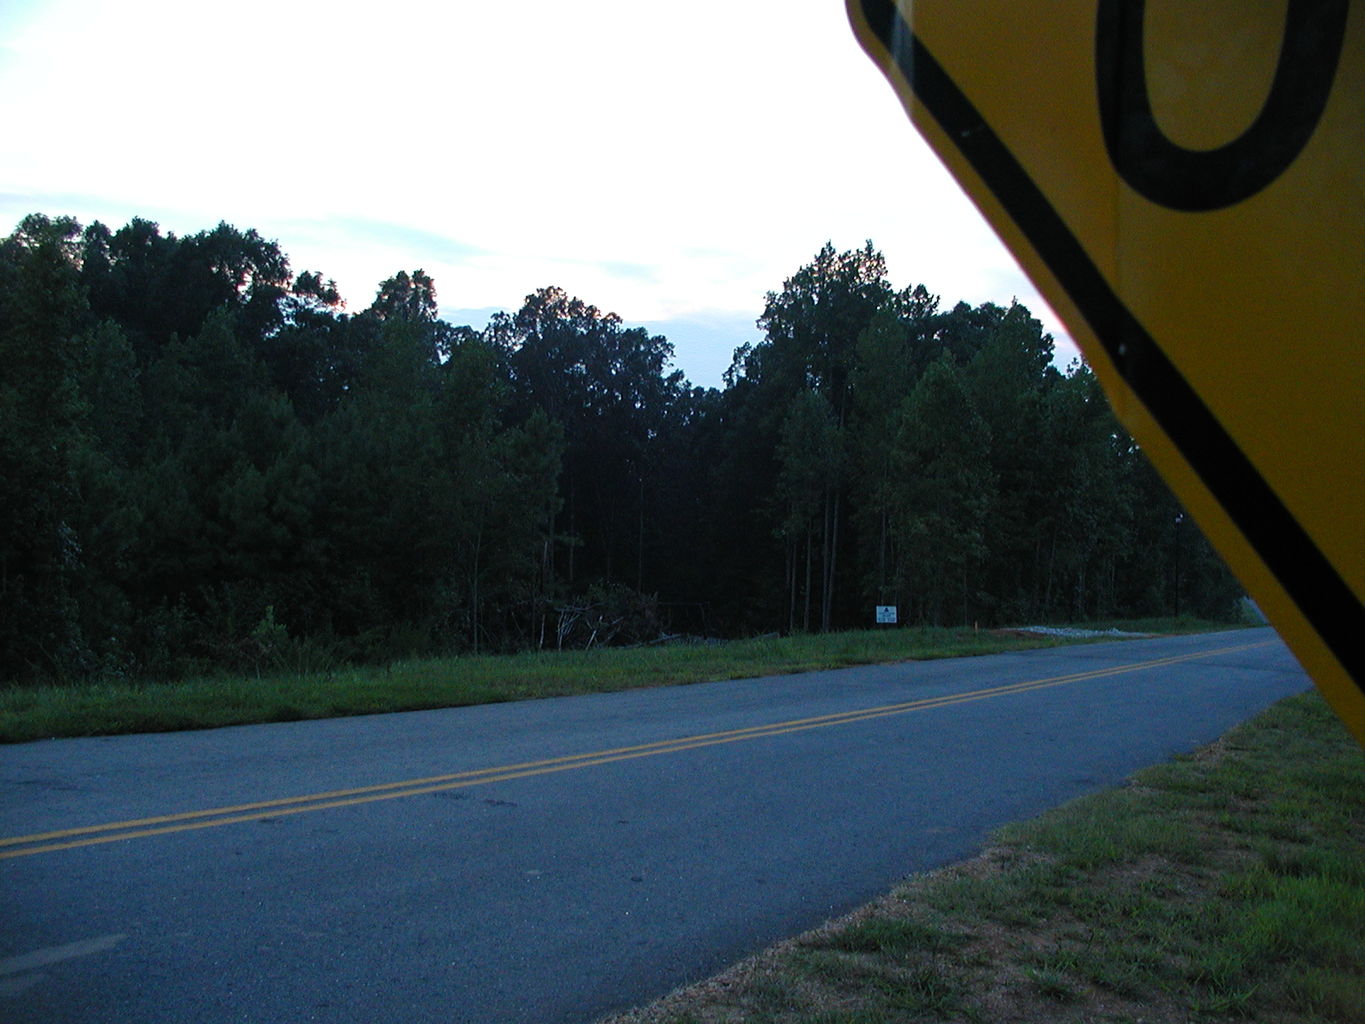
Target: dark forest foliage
<point x="206" y="461"/>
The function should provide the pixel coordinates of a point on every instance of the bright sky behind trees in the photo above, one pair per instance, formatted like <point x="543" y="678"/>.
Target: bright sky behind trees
<point x="669" y="162"/>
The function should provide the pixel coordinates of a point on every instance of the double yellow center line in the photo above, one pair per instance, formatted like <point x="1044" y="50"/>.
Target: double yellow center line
<point x="139" y="828"/>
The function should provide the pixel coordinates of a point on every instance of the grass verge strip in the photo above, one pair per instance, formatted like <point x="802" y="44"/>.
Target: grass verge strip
<point x="115" y="707"/>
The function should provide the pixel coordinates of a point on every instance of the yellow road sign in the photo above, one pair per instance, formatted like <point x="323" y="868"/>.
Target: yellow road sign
<point x="1185" y="184"/>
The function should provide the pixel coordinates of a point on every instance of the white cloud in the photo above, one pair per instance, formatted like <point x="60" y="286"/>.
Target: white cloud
<point x="663" y="161"/>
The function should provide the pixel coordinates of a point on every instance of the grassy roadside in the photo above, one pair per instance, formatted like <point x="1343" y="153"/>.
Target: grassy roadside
<point x="110" y="708"/>
<point x="1228" y="885"/>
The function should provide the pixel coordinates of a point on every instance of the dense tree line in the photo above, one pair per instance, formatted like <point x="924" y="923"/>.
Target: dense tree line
<point x="207" y="461"/>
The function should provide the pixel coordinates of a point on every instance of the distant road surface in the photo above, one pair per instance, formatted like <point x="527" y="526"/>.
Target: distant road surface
<point x="553" y="860"/>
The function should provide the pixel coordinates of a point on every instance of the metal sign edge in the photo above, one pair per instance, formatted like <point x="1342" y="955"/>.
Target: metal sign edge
<point x="1020" y="212"/>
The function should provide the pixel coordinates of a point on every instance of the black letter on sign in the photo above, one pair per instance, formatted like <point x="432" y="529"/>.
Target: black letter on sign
<point x="1198" y="180"/>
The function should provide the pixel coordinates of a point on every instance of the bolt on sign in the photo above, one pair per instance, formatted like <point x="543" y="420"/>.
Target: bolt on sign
<point x="1185" y="184"/>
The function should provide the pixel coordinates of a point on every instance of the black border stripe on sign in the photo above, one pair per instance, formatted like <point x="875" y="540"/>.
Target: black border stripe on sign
<point x="1288" y="552"/>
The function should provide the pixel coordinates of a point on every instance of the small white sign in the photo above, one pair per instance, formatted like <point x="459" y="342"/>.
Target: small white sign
<point x="886" y="614"/>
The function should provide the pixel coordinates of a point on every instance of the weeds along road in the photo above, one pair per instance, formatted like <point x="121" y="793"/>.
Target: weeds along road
<point x="552" y="860"/>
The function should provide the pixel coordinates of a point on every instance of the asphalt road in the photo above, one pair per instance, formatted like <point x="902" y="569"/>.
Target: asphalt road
<point x="553" y="860"/>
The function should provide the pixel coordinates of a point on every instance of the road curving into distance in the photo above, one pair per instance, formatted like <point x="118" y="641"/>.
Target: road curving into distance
<point x="553" y="860"/>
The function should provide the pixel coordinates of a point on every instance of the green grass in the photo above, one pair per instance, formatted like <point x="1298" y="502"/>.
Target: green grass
<point x="109" y="708"/>
<point x="1224" y="886"/>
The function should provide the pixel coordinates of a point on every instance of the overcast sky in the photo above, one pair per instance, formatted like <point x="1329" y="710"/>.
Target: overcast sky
<point x="669" y="162"/>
